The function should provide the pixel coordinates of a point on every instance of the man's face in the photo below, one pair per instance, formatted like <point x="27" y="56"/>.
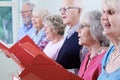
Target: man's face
<point x="26" y="14"/>
<point x="70" y="12"/>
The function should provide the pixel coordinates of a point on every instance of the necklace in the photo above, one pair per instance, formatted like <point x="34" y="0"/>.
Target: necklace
<point x="113" y="57"/>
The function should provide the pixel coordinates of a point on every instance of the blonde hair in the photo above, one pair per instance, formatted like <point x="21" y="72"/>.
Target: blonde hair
<point x="56" y="23"/>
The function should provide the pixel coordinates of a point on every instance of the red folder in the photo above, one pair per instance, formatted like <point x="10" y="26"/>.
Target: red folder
<point x="44" y="68"/>
<point x="19" y="54"/>
<point x="6" y="49"/>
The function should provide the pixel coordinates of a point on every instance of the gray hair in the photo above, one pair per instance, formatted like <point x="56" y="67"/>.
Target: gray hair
<point x="96" y="28"/>
<point x="31" y="5"/>
<point x="114" y="4"/>
<point x="40" y="12"/>
<point x="56" y="22"/>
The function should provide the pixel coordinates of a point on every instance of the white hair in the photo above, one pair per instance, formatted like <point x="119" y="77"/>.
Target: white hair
<point x="40" y="12"/>
<point x="114" y="4"/>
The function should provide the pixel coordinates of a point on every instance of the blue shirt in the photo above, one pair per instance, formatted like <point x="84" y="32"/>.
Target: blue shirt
<point x="39" y="38"/>
<point x="115" y="75"/>
<point x="24" y="30"/>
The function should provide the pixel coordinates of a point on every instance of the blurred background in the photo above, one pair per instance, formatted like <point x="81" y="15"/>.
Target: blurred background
<point x="10" y="22"/>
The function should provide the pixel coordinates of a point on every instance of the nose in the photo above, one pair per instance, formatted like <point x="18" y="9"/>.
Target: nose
<point x="62" y="11"/>
<point x="22" y="14"/>
<point x="32" y="19"/>
<point x="44" y="28"/>
<point x="104" y="17"/>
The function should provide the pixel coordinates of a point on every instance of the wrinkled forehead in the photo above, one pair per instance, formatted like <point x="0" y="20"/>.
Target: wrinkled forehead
<point x="71" y="3"/>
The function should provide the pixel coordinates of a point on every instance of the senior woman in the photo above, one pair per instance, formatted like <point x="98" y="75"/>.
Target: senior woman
<point x="111" y="28"/>
<point x="90" y="36"/>
<point x="54" y="29"/>
<point x="38" y="35"/>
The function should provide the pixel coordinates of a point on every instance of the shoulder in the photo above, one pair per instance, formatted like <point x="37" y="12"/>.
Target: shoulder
<point x="107" y="54"/>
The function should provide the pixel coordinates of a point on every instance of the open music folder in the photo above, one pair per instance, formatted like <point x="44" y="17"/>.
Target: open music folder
<point x="37" y="66"/>
<point x="44" y="68"/>
<point x="19" y="54"/>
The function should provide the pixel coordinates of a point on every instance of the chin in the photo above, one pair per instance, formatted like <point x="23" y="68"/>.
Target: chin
<point x="65" y="21"/>
<point x="106" y="33"/>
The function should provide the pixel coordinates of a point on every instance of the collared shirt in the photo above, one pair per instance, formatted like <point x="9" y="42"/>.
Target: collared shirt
<point x="51" y="50"/>
<point x="72" y="30"/>
<point x="24" y="30"/>
<point x="39" y="38"/>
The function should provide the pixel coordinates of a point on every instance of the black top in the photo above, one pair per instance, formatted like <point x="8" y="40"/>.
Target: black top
<point x="68" y="55"/>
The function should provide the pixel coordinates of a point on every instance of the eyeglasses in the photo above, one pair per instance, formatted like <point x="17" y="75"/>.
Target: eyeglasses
<point x="68" y="8"/>
<point x="25" y="11"/>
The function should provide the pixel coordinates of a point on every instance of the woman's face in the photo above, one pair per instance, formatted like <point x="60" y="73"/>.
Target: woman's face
<point x="50" y="32"/>
<point x="37" y="22"/>
<point x="111" y="22"/>
<point x="84" y="34"/>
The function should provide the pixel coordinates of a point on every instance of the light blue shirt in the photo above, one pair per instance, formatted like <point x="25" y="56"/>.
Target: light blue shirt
<point x="24" y="30"/>
<point x="39" y="38"/>
<point x="115" y="75"/>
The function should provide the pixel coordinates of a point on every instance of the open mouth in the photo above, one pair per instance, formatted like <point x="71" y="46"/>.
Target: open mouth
<point x="106" y="24"/>
<point x="64" y="17"/>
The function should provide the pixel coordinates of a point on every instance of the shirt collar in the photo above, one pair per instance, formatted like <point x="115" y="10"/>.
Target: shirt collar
<point x="27" y="28"/>
<point x="72" y="30"/>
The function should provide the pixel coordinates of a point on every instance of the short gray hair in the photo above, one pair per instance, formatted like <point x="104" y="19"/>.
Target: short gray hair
<point x="96" y="28"/>
<point x="56" y="22"/>
<point x="31" y="5"/>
